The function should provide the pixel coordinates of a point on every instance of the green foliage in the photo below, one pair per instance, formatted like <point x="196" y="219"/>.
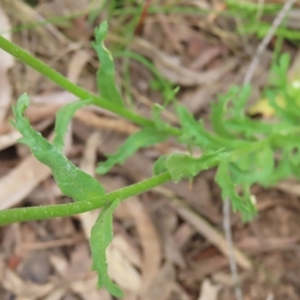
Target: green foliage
<point x="144" y="138"/>
<point x="72" y="181"/>
<point x="243" y="203"/>
<point x="106" y="73"/>
<point x="63" y="118"/>
<point x="185" y="166"/>
<point x="101" y="236"/>
<point x="251" y="15"/>
<point x="242" y="149"/>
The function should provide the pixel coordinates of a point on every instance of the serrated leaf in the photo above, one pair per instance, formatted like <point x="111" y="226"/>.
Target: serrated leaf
<point x="195" y="133"/>
<point x="72" y="181"/>
<point x="251" y="128"/>
<point x="63" y="118"/>
<point x="279" y="71"/>
<point x="288" y="113"/>
<point x="182" y="165"/>
<point x="106" y="74"/>
<point x="222" y="113"/>
<point x="144" y="138"/>
<point x="240" y="100"/>
<point x="101" y="236"/>
<point x="280" y="172"/>
<point x="253" y="168"/>
<point x="240" y="204"/>
<point x="218" y="114"/>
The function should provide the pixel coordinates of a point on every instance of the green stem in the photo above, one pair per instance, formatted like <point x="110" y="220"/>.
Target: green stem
<point x="62" y="210"/>
<point x="69" y="86"/>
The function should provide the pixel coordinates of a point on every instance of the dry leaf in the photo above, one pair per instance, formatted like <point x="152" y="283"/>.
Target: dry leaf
<point x="163" y="284"/>
<point x="76" y="65"/>
<point x="12" y="282"/>
<point x="149" y="240"/>
<point x="19" y="183"/>
<point x="121" y="270"/>
<point x="172" y="69"/>
<point x="209" y="291"/>
<point x="9" y="139"/>
<point x="87" y="164"/>
<point x="87" y="289"/>
<point x="6" y="62"/>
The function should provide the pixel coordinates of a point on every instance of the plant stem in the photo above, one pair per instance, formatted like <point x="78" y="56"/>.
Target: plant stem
<point x="69" y="86"/>
<point x="63" y="210"/>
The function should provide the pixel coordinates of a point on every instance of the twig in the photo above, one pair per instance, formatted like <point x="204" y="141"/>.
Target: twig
<point x="231" y="257"/>
<point x="264" y="43"/>
<point x="203" y="227"/>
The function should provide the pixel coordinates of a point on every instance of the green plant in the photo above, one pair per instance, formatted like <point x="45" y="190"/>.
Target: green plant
<point x="254" y="16"/>
<point x="242" y="149"/>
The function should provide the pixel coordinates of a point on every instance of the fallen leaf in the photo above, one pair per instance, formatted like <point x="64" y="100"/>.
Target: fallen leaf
<point x="6" y="62"/>
<point x="209" y="291"/>
<point x="121" y="270"/>
<point x="172" y="69"/>
<point x="13" y="283"/>
<point x="76" y="65"/>
<point x="163" y="284"/>
<point x="149" y="240"/>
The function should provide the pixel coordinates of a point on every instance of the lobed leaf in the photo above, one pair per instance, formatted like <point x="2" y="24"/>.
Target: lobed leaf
<point x="252" y="168"/>
<point x="144" y="138"/>
<point x="101" y="236"/>
<point x="242" y="204"/>
<point x="72" y="181"/>
<point x="106" y="73"/>
<point x="218" y="114"/>
<point x="195" y="133"/>
<point x="185" y="166"/>
<point x="160" y="165"/>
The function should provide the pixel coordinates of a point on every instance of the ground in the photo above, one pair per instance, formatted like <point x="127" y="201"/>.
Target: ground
<point x="169" y="242"/>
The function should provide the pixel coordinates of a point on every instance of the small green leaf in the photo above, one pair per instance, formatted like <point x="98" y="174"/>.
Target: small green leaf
<point x="106" y="74"/>
<point x="144" y="138"/>
<point x="242" y="204"/>
<point x="157" y="119"/>
<point x="239" y="101"/>
<point x="160" y="165"/>
<point x="170" y="95"/>
<point x="280" y="172"/>
<point x="72" y="181"/>
<point x="253" y="168"/>
<point x="182" y="165"/>
<point x="251" y="128"/>
<point x="101" y="236"/>
<point x="218" y="114"/>
<point x="63" y="118"/>
<point x="195" y="133"/>
<point x="279" y="71"/>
